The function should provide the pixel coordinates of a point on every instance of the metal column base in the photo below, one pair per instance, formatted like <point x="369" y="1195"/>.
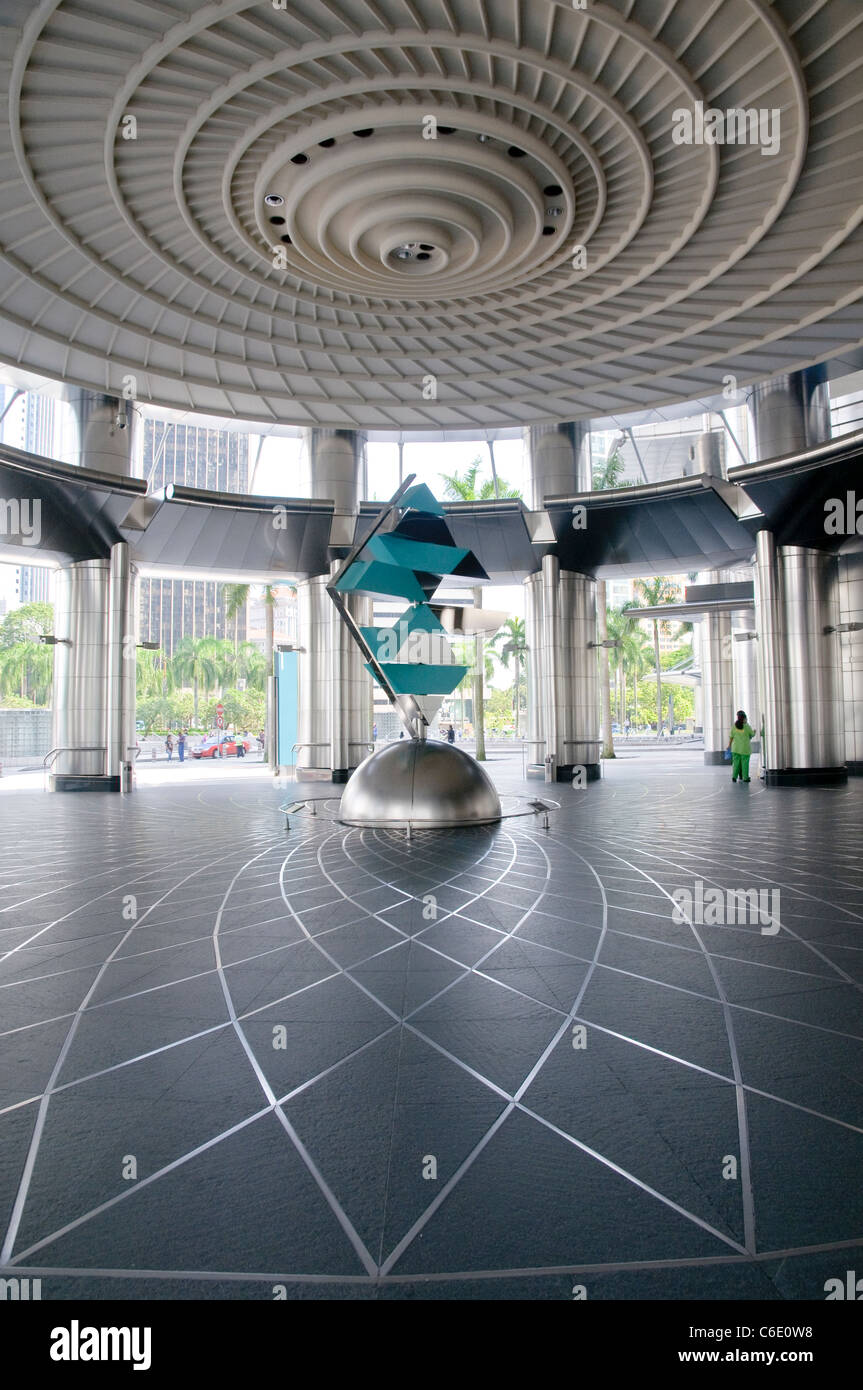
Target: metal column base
<point x="806" y="777"/>
<point x="82" y="782"/>
<point x="338" y="775"/>
<point x="855" y="769"/>
<point x="593" y="771"/>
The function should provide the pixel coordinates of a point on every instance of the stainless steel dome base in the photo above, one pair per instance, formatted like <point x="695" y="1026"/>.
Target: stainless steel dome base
<point x="428" y="784"/>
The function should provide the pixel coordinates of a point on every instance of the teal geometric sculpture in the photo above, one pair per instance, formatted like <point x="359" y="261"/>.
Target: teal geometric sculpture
<point x="412" y="660"/>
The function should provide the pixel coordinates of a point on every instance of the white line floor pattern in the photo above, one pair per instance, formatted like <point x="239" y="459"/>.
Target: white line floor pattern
<point x="482" y="1064"/>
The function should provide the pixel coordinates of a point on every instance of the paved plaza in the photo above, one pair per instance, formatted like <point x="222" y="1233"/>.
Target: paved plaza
<point x="488" y="1063"/>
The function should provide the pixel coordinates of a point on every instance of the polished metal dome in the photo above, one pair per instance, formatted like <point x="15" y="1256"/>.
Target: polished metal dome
<point x="429" y="784"/>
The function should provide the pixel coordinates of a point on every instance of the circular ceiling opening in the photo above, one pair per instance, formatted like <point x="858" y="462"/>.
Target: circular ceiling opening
<point x="515" y="153"/>
<point x="274" y="200"/>
<point x="364" y="134"/>
<point x="299" y="159"/>
<point x="277" y="221"/>
<point x="409" y="252"/>
<point x="552" y="190"/>
<point x="327" y="144"/>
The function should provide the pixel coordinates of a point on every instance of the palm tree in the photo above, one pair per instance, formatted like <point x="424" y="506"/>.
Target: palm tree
<point x="236" y="598"/>
<point x="510" y="647"/>
<point x="606" y="477"/>
<point x="463" y="487"/>
<point x="635" y="647"/>
<point x="196" y="659"/>
<point x="652" y="593"/>
<point x="154" y="674"/>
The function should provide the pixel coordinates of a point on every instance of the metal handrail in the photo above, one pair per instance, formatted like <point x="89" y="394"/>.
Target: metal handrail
<point x="530" y="743"/>
<point x="53" y="752"/>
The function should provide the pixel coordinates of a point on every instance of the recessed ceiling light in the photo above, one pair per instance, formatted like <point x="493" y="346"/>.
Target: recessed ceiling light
<point x="554" y="212"/>
<point x="483" y="139"/>
<point x="274" y="200"/>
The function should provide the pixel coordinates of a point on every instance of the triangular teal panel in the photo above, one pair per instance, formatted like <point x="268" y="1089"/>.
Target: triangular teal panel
<point x="414" y="678"/>
<point x="387" y="581"/>
<point x="417" y="555"/>
<point x="421" y="499"/>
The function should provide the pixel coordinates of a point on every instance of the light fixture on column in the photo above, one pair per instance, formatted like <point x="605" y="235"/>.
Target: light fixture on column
<point x="51" y="641"/>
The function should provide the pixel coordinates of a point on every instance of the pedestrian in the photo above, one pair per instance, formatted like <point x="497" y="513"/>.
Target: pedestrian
<point x="740" y="743"/>
<point x="450" y="734"/>
<point x="169" y="747"/>
<point x="241" y="745"/>
<point x="181" y="745"/>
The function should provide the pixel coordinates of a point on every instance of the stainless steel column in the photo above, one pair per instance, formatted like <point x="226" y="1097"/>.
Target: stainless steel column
<point x="108" y="438"/>
<point x="335" y="690"/>
<point x="80" y="619"/>
<point x="717" y="688"/>
<point x="744" y="658"/>
<point x="351" y="703"/>
<point x="771" y="654"/>
<point x="120" y="661"/>
<point x="535" y="737"/>
<point x="335" y="463"/>
<point x="789" y="413"/>
<point x="558" y="461"/>
<point x="797" y="610"/>
<point x="563" y="680"/>
<point x="851" y="612"/>
<point x="314" y="721"/>
<point x="812" y="659"/>
<point x="581" y="743"/>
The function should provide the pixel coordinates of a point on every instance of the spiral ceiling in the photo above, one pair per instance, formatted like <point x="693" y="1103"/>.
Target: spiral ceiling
<point x="420" y="214"/>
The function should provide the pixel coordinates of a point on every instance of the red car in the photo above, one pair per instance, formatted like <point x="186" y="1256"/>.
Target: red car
<point x="209" y="747"/>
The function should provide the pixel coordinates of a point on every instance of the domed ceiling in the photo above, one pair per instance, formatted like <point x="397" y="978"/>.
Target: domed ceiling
<point x="419" y="214"/>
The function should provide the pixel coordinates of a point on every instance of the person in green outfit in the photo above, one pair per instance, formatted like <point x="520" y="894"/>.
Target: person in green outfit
<point x="740" y="743"/>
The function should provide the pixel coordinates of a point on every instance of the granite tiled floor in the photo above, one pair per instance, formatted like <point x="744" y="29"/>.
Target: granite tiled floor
<point x="232" y="1057"/>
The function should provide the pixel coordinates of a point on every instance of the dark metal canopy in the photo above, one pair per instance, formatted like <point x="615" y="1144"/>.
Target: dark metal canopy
<point x="686" y="525"/>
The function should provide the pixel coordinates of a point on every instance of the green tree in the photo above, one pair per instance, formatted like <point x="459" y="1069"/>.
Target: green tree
<point x="463" y="487"/>
<point x="653" y="593"/>
<point x="244" y="709"/>
<point x="606" y="477"/>
<point x="509" y="647"/>
<point x="154" y="674"/>
<point x="197" y="660"/>
<point x="26" y="624"/>
<point x="27" y="671"/>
